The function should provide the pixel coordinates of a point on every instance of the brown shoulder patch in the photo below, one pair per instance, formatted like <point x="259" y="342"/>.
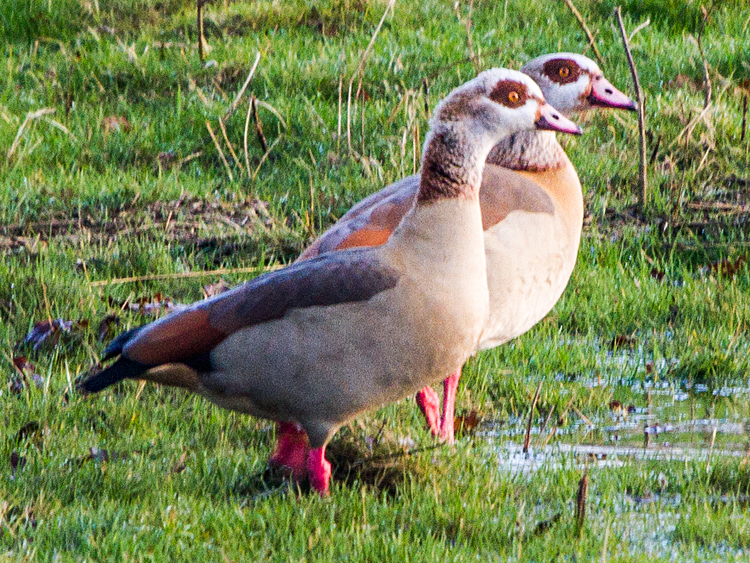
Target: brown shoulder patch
<point x="510" y="93"/>
<point x="562" y="71"/>
<point x="504" y="191"/>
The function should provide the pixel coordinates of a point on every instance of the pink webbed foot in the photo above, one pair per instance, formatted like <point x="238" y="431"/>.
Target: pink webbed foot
<point x="428" y="402"/>
<point x="450" y="385"/>
<point x="318" y="471"/>
<point x="291" y="450"/>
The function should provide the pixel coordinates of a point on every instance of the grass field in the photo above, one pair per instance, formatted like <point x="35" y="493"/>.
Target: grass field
<point x="109" y="169"/>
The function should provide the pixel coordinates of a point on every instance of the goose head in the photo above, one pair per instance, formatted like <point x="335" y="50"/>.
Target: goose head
<point x="497" y="103"/>
<point x="572" y="82"/>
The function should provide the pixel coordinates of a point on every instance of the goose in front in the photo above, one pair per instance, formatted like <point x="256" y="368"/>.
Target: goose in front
<point x="317" y="343"/>
<point x="532" y="214"/>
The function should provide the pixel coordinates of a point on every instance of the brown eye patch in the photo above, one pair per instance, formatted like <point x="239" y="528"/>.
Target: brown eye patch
<point x="562" y="71"/>
<point x="510" y="93"/>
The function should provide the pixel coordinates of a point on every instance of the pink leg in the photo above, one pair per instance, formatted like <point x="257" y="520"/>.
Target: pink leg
<point x="428" y="402"/>
<point x="318" y="471"/>
<point x="450" y="386"/>
<point x="291" y="450"/>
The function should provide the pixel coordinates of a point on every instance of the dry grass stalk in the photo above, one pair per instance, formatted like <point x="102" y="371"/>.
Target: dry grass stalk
<point x="527" y="438"/>
<point x="338" y="124"/>
<point x="201" y="39"/>
<point x="31" y="116"/>
<point x="221" y="153"/>
<point x="360" y="73"/>
<point x="227" y="141"/>
<point x="467" y="24"/>
<point x="637" y="29"/>
<point x="244" y="137"/>
<point x="546" y="421"/>
<point x="244" y="87"/>
<point x="706" y="77"/>
<point x="744" y="118"/>
<point x="642" y="173"/>
<point x="711" y="448"/>
<point x="562" y="417"/>
<point x="583" y="491"/>
<point x="265" y="156"/>
<point x="586" y="30"/>
<point x="201" y="274"/>
<point x="258" y="125"/>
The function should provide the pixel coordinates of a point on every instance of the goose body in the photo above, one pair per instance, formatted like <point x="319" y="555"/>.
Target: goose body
<point x="317" y="343"/>
<point x="532" y="215"/>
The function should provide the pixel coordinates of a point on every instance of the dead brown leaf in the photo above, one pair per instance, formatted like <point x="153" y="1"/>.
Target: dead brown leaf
<point x="115" y="123"/>
<point x="16" y="462"/>
<point x="215" y="288"/>
<point x="180" y="466"/>
<point x="105" y="328"/>
<point x="47" y="331"/>
<point x="623" y="340"/>
<point x="25" y="372"/>
<point x="466" y="424"/>
<point x="727" y="268"/>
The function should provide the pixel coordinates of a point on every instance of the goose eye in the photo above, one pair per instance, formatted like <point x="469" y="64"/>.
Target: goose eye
<point x="513" y="97"/>
<point x="564" y="72"/>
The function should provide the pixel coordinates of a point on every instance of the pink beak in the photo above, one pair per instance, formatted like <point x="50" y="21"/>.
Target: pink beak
<point x="604" y="95"/>
<point x="552" y="120"/>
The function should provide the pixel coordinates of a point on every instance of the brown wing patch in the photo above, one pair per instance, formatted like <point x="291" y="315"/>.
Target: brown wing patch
<point x="562" y="71"/>
<point x="504" y="191"/>
<point x="365" y="237"/>
<point x="510" y="93"/>
<point x="174" y="338"/>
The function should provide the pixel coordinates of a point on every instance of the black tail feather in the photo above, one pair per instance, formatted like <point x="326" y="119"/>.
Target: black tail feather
<point x="121" y="369"/>
<point x="115" y="347"/>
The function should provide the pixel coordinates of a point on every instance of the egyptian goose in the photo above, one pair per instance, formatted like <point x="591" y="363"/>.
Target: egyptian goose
<point x="323" y="340"/>
<point x="532" y="213"/>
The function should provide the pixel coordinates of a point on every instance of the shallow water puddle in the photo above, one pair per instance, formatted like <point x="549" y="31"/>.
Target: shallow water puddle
<point x="656" y="422"/>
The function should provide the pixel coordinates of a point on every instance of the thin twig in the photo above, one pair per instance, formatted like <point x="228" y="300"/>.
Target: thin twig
<point x="656" y="150"/>
<point x="744" y="118"/>
<point x="31" y="116"/>
<point x="643" y="180"/>
<point x="586" y="30"/>
<point x="244" y="87"/>
<point x="221" y="153"/>
<point x="527" y="438"/>
<point x="426" y="88"/>
<point x="157" y="277"/>
<point x="258" y="125"/>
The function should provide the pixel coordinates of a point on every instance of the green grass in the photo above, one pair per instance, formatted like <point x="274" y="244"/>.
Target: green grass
<point x="82" y="200"/>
